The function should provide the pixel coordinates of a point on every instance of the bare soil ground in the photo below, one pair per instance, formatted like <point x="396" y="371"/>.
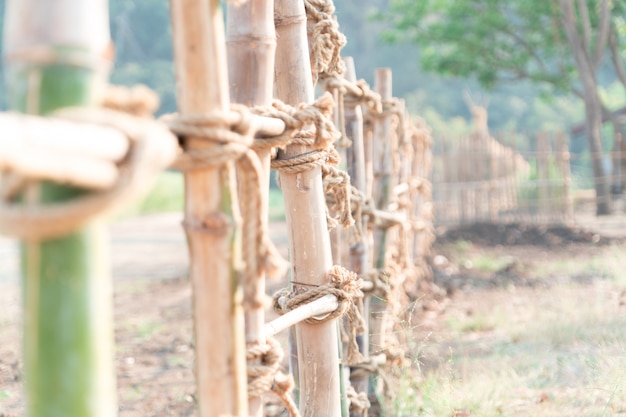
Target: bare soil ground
<point x="528" y="327"/>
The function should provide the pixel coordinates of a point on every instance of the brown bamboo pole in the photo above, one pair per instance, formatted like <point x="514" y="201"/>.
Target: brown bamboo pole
<point x="317" y="344"/>
<point x="358" y="259"/>
<point x="337" y="234"/>
<point x="542" y="174"/>
<point x="251" y="44"/>
<point x="385" y="182"/>
<point x="564" y="159"/>
<point x="212" y="220"/>
<point x="619" y="139"/>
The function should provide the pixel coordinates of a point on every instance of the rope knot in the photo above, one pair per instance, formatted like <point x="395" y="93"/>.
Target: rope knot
<point x="264" y="373"/>
<point x="299" y="120"/>
<point x="231" y="130"/>
<point x="343" y="284"/>
<point x="151" y="148"/>
<point x="326" y="39"/>
<point x="359" y="403"/>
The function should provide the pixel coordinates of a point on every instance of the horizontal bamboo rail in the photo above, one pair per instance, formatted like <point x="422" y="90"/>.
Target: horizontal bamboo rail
<point x="319" y="307"/>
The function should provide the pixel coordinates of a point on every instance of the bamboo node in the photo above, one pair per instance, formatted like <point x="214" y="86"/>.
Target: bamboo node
<point x="343" y="284"/>
<point x="264" y="374"/>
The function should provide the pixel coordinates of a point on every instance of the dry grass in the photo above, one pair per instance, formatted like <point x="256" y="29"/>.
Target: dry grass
<point x="547" y="350"/>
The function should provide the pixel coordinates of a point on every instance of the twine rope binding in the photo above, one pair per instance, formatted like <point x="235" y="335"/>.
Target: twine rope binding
<point x="353" y="95"/>
<point x="320" y="139"/>
<point x="232" y="134"/>
<point x="359" y="403"/>
<point x="264" y="373"/>
<point x="325" y="39"/>
<point x="343" y="284"/>
<point x="145" y="159"/>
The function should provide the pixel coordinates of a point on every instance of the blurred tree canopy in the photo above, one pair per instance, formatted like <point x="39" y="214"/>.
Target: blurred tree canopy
<point x="142" y="34"/>
<point x="558" y="44"/>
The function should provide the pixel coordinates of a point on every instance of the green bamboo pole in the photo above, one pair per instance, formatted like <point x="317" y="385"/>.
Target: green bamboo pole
<point x="55" y="55"/>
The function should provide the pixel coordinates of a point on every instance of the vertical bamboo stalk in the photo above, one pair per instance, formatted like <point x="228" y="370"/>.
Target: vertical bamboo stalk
<point x="619" y="144"/>
<point x="251" y="44"/>
<point x="358" y="255"/>
<point x="317" y="344"/>
<point x="57" y="54"/>
<point x="212" y="219"/>
<point x="383" y="159"/>
<point x="383" y="171"/>
<point x="564" y="158"/>
<point x="542" y="173"/>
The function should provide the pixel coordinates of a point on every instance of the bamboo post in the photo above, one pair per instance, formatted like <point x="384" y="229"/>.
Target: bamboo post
<point x="251" y="44"/>
<point x="465" y="192"/>
<point x="358" y="255"/>
<point x="383" y="171"/>
<point x="337" y="234"/>
<point x="317" y="344"/>
<point x="383" y="160"/>
<point x="51" y="62"/>
<point x="564" y="158"/>
<point x="620" y="162"/>
<point x="542" y="173"/>
<point x="212" y="219"/>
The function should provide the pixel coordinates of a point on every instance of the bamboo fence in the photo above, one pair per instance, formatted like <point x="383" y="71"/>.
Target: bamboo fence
<point x="483" y="179"/>
<point x="344" y="302"/>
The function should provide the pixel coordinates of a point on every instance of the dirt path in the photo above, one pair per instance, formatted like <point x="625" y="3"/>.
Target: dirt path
<point x="525" y="330"/>
<point x="154" y="352"/>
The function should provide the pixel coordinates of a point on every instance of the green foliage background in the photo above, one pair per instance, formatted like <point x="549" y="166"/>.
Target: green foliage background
<point x="142" y="35"/>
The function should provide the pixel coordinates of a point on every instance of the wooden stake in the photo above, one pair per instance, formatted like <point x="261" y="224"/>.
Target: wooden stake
<point x="56" y="55"/>
<point x="212" y="219"/>
<point x="317" y="344"/>
<point x="251" y="44"/>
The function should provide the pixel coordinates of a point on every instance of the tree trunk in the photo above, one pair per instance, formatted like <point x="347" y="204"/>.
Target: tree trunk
<point x="593" y="111"/>
<point x="68" y="335"/>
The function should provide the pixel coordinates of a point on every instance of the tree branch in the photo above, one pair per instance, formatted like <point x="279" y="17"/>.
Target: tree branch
<point x="522" y="42"/>
<point x="615" y="58"/>
<point x="581" y="55"/>
<point x="603" y="33"/>
<point x="586" y="23"/>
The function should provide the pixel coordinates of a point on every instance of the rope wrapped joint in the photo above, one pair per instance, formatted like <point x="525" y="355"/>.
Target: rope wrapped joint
<point x="151" y="148"/>
<point x="343" y="284"/>
<point x="264" y="373"/>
